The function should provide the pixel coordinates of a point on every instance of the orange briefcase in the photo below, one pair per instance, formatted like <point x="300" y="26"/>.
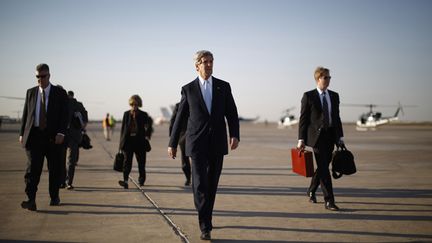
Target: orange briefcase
<point x="302" y="162"/>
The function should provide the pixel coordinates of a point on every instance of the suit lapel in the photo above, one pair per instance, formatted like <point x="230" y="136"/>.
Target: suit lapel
<point x="317" y="100"/>
<point x="216" y="89"/>
<point x="32" y="102"/>
<point x="333" y="102"/>
<point x="128" y="121"/>
<point x="51" y="100"/>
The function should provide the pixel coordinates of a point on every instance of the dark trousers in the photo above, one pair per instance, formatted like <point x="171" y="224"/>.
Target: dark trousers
<point x="206" y="171"/>
<point x="323" y="155"/>
<point x="39" y="147"/>
<point x="186" y="167"/>
<point x="133" y="146"/>
<point x="73" y="156"/>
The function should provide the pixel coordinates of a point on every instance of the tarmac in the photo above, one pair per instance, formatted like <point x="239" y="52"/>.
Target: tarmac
<point x="259" y="199"/>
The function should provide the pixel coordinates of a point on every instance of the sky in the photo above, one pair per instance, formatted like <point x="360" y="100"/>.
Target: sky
<point x="378" y="52"/>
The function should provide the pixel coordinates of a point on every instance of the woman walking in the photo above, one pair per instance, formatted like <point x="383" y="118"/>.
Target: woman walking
<point x="136" y="131"/>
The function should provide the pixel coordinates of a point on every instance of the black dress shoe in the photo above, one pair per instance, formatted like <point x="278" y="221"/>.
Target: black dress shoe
<point x="70" y="187"/>
<point x="55" y="202"/>
<point x="205" y="236"/>
<point x="63" y="185"/>
<point x="312" y="197"/>
<point x="187" y="182"/>
<point x="30" y="205"/>
<point x="124" y="184"/>
<point x="331" y="206"/>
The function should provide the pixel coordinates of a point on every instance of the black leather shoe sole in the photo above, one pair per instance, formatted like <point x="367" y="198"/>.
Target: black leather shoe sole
<point x="123" y="184"/>
<point x="205" y="236"/>
<point x="312" y="197"/>
<point x="30" y="205"/>
<point x="331" y="207"/>
<point x="55" y="202"/>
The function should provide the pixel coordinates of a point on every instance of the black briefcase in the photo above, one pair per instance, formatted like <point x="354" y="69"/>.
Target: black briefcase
<point x="118" y="162"/>
<point x="85" y="142"/>
<point x="343" y="163"/>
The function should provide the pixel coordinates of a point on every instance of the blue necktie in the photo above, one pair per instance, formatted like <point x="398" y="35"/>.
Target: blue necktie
<point x="325" y="111"/>
<point x="207" y="95"/>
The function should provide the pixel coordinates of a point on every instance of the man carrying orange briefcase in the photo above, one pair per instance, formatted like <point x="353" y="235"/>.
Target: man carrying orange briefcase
<point x="320" y="127"/>
<point x="302" y="162"/>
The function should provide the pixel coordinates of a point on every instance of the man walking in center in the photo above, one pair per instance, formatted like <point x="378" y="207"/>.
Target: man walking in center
<point x="320" y="127"/>
<point x="204" y="105"/>
<point x="42" y="134"/>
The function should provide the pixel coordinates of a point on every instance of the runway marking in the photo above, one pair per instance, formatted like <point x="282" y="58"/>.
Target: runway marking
<point x="169" y="221"/>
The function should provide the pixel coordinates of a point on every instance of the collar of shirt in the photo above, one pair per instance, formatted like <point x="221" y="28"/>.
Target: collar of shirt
<point x="202" y="81"/>
<point x="47" y="90"/>
<point x="321" y="91"/>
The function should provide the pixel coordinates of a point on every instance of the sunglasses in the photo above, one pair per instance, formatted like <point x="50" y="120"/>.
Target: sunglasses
<point x="327" y="77"/>
<point x="133" y="104"/>
<point x="41" y="76"/>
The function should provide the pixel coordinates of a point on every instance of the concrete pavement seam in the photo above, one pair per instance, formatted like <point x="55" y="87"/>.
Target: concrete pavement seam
<point x="171" y="223"/>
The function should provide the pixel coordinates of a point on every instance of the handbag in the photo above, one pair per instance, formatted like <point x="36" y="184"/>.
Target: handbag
<point x="85" y="141"/>
<point x="147" y="145"/>
<point x="302" y="162"/>
<point x="118" y="162"/>
<point x="343" y="163"/>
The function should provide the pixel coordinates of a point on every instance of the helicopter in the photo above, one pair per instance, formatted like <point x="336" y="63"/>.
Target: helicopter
<point x="287" y="119"/>
<point x="371" y="120"/>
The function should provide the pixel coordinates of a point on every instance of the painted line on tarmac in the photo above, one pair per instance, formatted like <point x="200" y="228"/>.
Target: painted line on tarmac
<point x="171" y="223"/>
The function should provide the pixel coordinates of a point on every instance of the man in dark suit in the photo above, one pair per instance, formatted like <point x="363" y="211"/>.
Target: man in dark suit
<point x="77" y="121"/>
<point x="205" y="103"/>
<point x="320" y="127"/>
<point x="186" y="167"/>
<point x="42" y="134"/>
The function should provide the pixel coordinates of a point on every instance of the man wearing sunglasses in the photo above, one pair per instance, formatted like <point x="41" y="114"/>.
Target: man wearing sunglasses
<point x="320" y="127"/>
<point x="43" y="127"/>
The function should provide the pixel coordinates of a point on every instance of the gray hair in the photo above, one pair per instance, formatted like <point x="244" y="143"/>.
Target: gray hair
<point x="200" y="54"/>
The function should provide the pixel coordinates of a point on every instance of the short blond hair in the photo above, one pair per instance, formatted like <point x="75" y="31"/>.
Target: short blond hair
<point x="200" y="54"/>
<point x="320" y="71"/>
<point x="137" y="99"/>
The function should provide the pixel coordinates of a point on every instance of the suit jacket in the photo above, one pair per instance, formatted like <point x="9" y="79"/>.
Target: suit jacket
<point x="144" y="127"/>
<point x="312" y="119"/>
<point x="206" y="133"/>
<point x="57" y="117"/>
<point x="74" y="124"/>
<point x="172" y="120"/>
